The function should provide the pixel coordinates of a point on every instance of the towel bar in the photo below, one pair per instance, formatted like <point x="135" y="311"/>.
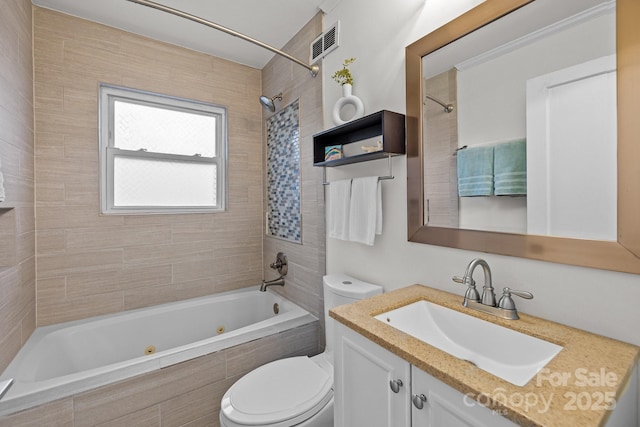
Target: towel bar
<point x="380" y="178"/>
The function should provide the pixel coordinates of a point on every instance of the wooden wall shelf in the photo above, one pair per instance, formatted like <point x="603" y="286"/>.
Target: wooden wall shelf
<point x="388" y="125"/>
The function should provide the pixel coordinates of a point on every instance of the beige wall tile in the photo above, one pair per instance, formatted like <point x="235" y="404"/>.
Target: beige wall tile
<point x="73" y="263"/>
<point x="116" y="237"/>
<point x="198" y="407"/>
<point x="29" y="321"/>
<point x="128" y="396"/>
<point x="126" y="278"/>
<point x="150" y="254"/>
<point x="125" y="259"/>
<point x="58" y="413"/>
<point x="8" y="242"/>
<point x="52" y="311"/>
<point x="17" y="266"/>
<point x="296" y="342"/>
<point x="296" y="83"/>
<point x="154" y="295"/>
<point x="148" y="417"/>
<point x="10" y="343"/>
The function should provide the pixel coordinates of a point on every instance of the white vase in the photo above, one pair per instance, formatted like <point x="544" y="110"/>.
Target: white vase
<point x="348" y="98"/>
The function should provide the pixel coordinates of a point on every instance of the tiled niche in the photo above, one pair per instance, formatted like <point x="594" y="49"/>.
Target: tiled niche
<point x="283" y="174"/>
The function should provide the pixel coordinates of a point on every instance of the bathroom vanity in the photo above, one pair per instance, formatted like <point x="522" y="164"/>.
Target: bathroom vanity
<point x="363" y="386"/>
<point x="386" y="377"/>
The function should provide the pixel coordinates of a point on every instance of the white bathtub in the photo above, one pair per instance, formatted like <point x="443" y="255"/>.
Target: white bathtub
<point x="68" y="358"/>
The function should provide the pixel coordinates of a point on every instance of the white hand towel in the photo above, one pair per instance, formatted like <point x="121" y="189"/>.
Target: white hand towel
<point x="365" y="213"/>
<point x="379" y="208"/>
<point x="338" y="210"/>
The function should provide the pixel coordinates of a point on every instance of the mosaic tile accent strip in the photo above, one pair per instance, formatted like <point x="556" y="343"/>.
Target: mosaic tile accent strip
<point x="283" y="174"/>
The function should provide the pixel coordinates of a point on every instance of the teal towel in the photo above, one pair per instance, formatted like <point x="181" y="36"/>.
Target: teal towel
<point x="510" y="168"/>
<point x="475" y="171"/>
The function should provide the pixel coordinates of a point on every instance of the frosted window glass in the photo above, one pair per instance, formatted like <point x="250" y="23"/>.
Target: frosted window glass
<point x="151" y="182"/>
<point x="162" y="130"/>
<point x="161" y="154"/>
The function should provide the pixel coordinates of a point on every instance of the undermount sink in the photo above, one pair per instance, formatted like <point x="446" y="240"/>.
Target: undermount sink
<point x="513" y="356"/>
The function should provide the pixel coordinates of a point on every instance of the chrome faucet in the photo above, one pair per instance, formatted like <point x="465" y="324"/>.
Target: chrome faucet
<point x="488" y="295"/>
<point x="280" y="264"/>
<point x="275" y="282"/>
<point x="505" y="307"/>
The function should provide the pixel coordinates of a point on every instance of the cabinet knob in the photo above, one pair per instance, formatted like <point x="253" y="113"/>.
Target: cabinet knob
<point x="395" y="385"/>
<point x="418" y="400"/>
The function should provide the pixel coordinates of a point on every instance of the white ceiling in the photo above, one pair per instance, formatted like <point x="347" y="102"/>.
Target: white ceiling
<point x="273" y="22"/>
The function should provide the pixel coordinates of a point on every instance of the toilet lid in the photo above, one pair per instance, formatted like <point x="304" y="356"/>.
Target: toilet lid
<point x="281" y="393"/>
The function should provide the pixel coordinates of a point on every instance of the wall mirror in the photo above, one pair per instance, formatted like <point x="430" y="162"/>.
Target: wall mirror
<point x="485" y="65"/>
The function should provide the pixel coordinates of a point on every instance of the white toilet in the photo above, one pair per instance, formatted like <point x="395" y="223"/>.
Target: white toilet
<point x="297" y="391"/>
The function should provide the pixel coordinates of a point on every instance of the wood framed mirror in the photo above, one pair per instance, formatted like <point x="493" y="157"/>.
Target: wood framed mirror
<point x="621" y="254"/>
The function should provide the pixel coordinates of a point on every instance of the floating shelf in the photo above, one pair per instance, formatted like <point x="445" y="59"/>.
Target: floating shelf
<point x="388" y="125"/>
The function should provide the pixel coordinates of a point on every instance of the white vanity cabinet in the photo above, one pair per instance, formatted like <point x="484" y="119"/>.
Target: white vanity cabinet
<point x="367" y="377"/>
<point x="446" y="406"/>
<point x="363" y="376"/>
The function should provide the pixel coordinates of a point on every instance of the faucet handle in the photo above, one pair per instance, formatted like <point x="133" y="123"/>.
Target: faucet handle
<point x="466" y="280"/>
<point x="506" y="301"/>
<point x="472" y="293"/>
<point x="280" y="264"/>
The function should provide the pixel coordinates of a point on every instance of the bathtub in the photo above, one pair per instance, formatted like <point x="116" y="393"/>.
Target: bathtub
<point x="68" y="358"/>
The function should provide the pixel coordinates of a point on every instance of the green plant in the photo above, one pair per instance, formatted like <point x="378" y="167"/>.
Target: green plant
<point x="343" y="76"/>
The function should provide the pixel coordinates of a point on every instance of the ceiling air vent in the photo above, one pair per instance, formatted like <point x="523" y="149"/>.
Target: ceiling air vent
<point x="325" y="43"/>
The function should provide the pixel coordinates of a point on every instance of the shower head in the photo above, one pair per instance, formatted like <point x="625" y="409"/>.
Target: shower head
<point x="269" y="103"/>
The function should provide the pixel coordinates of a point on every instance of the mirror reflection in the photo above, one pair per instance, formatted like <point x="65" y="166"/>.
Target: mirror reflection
<point x="519" y="124"/>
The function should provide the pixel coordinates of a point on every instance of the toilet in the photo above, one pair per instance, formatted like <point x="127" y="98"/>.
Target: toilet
<point x="296" y="391"/>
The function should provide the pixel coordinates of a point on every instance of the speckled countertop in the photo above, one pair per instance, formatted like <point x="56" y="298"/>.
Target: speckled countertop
<point x="588" y="363"/>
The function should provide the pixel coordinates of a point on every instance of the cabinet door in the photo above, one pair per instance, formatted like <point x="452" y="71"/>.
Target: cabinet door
<point x="363" y="372"/>
<point x="446" y="406"/>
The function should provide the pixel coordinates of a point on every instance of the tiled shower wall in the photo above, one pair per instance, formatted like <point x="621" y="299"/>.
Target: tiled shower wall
<point x="306" y="260"/>
<point x="440" y="136"/>
<point x="17" y="232"/>
<point x="91" y="264"/>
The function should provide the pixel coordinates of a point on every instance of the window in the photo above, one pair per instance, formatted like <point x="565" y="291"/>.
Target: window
<point x="160" y="154"/>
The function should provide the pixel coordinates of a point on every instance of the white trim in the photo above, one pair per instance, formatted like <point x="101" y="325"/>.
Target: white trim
<point x="107" y="95"/>
<point x="545" y="213"/>
<point x="588" y="14"/>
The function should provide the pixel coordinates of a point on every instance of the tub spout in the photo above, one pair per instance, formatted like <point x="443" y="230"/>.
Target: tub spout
<point x="275" y="282"/>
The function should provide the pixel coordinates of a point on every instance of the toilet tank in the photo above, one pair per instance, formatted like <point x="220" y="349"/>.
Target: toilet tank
<point x="341" y="289"/>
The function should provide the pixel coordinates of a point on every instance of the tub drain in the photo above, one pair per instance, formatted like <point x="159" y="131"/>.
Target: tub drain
<point x="276" y="308"/>
<point x="220" y="329"/>
<point x="150" y="349"/>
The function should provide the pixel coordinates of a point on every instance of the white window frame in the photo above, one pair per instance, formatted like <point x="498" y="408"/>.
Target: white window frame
<point x="108" y="94"/>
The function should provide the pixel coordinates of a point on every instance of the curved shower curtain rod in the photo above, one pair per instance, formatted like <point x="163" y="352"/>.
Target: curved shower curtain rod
<point x="313" y="69"/>
<point x="447" y="107"/>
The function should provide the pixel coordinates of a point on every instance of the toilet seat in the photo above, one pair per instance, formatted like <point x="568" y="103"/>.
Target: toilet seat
<point x="279" y="394"/>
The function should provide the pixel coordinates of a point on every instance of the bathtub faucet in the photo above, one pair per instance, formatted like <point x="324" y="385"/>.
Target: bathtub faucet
<point x="281" y="265"/>
<point x="275" y="282"/>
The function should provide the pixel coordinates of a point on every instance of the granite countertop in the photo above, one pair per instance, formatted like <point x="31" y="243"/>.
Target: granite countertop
<point x="588" y="363"/>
